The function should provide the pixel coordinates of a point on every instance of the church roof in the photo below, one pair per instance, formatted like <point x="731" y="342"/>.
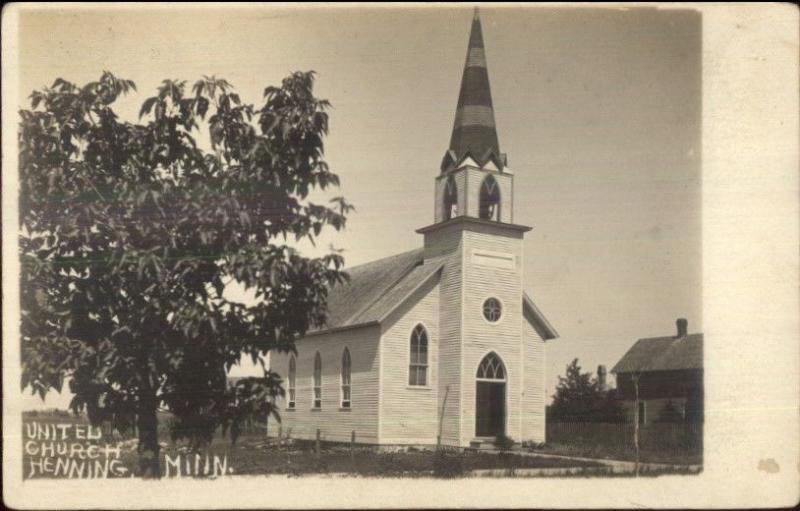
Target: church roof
<point x="377" y="288"/>
<point x="663" y="354"/>
<point x="474" y="134"/>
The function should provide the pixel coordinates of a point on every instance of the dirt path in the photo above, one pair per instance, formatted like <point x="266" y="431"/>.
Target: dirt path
<point x="618" y="466"/>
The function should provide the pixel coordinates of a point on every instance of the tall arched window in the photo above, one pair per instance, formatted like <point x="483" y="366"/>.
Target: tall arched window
<point x="346" y="378"/>
<point x="450" y="205"/>
<point x="292" y="380"/>
<point x="418" y="365"/>
<point x="317" y="381"/>
<point x="490" y="199"/>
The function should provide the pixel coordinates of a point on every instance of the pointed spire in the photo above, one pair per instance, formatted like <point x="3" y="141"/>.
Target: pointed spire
<point x="474" y="133"/>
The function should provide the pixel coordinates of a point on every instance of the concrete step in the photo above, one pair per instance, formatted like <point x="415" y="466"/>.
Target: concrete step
<point x="482" y="443"/>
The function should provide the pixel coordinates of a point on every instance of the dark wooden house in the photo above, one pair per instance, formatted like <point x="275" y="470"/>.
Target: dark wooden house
<point x="669" y="374"/>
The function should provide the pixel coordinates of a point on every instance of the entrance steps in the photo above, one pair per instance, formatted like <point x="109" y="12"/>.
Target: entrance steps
<point x="483" y="443"/>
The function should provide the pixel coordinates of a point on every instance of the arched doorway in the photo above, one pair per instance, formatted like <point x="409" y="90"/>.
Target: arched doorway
<point x="490" y="397"/>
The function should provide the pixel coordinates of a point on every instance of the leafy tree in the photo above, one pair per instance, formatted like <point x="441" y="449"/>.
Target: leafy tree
<point x="130" y="233"/>
<point x="580" y="398"/>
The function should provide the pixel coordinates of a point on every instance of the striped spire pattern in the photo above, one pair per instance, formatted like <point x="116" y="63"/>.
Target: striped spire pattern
<point x="474" y="133"/>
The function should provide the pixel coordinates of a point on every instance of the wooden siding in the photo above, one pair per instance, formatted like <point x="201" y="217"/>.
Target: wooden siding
<point x="475" y="179"/>
<point x="336" y="424"/>
<point x="409" y="414"/>
<point x="447" y="242"/>
<point x="533" y="396"/>
<point x="661" y="384"/>
<point x="653" y="408"/>
<point x="481" y="337"/>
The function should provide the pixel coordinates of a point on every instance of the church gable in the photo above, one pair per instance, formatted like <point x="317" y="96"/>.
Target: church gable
<point x="409" y="368"/>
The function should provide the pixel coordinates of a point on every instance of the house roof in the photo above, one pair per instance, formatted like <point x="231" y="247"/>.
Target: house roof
<point x="663" y="354"/>
<point x="377" y="288"/>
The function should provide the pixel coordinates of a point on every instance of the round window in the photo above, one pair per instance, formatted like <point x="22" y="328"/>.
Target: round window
<point x="492" y="310"/>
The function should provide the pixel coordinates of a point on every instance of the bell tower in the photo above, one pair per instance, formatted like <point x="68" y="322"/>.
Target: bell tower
<point x="475" y="179"/>
<point x="480" y="293"/>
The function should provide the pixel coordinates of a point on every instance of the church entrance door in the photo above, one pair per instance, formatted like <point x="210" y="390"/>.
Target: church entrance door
<point x="490" y="397"/>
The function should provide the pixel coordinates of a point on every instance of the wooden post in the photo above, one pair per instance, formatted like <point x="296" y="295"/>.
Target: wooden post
<point x="280" y="435"/>
<point x="316" y="446"/>
<point x="441" y="418"/>
<point x="635" y="379"/>
<point x="352" y="443"/>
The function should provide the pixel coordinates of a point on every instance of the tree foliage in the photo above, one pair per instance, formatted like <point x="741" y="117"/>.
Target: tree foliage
<point x="130" y="232"/>
<point x="580" y="398"/>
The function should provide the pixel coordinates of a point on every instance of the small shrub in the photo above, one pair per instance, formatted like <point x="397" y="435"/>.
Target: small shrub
<point x="531" y="445"/>
<point x="447" y="465"/>
<point x="504" y="442"/>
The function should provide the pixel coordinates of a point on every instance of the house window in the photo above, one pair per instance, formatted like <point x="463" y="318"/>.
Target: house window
<point x="642" y="412"/>
<point x="490" y="200"/>
<point x="292" y="378"/>
<point x="418" y="366"/>
<point x="450" y="199"/>
<point x="492" y="309"/>
<point x="346" y="378"/>
<point x="317" y="381"/>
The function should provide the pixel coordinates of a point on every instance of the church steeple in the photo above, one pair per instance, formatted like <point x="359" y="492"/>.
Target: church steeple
<point x="474" y="134"/>
<point x="475" y="181"/>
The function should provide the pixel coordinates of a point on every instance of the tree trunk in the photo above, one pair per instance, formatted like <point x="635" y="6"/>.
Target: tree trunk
<point x="148" y="449"/>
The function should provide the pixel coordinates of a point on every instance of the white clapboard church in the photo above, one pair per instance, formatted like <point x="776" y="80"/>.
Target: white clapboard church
<point x="440" y="343"/>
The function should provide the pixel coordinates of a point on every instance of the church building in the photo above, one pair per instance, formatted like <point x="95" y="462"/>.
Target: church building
<point x="439" y="344"/>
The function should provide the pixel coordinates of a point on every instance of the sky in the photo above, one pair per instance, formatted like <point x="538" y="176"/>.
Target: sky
<point x="599" y="111"/>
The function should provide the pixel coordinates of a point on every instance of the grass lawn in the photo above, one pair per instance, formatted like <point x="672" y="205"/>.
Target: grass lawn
<point x="599" y="451"/>
<point x="253" y="454"/>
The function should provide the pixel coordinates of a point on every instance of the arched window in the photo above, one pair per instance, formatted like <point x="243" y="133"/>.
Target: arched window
<point x="317" y="381"/>
<point x="418" y="365"/>
<point x="292" y="379"/>
<point x="490" y="199"/>
<point x="346" y="378"/>
<point x="491" y="368"/>
<point x="450" y="198"/>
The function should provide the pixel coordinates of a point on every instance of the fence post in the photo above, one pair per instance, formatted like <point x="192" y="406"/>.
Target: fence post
<point x="280" y="435"/>
<point x="352" y="443"/>
<point x="316" y="446"/>
<point x="636" y="422"/>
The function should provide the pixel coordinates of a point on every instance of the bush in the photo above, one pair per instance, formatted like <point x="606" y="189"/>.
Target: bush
<point x="504" y="442"/>
<point x="447" y="464"/>
<point x="532" y="446"/>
